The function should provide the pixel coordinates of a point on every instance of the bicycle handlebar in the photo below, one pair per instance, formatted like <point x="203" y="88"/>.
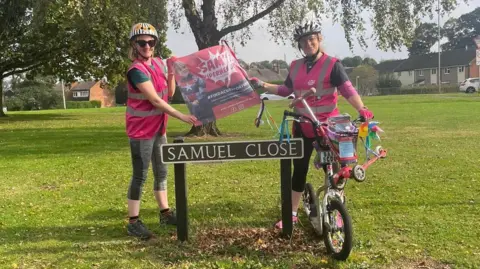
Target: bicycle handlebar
<point x="311" y="118"/>
<point x="302" y="97"/>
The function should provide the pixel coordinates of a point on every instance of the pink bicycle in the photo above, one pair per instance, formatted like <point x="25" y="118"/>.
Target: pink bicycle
<point x="336" y="152"/>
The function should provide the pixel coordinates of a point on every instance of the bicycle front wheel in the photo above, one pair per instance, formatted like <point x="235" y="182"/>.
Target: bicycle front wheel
<point x="338" y="235"/>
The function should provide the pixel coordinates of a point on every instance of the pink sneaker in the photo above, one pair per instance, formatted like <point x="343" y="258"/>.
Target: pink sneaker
<point x="279" y="225"/>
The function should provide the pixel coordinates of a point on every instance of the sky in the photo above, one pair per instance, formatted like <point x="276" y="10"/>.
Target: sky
<point x="260" y="48"/>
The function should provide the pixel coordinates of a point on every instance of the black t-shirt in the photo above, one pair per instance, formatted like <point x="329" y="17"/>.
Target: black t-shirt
<point x="338" y="76"/>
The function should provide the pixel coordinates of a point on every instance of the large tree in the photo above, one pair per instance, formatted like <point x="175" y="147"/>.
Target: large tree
<point x="212" y="20"/>
<point x="365" y="77"/>
<point x="72" y="39"/>
<point x="425" y="36"/>
<point x="460" y="32"/>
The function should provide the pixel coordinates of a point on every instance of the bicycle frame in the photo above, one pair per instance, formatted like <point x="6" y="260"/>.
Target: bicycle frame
<point x="331" y="187"/>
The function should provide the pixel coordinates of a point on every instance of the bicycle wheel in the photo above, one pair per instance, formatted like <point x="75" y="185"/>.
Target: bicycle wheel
<point x="310" y="205"/>
<point x="338" y="233"/>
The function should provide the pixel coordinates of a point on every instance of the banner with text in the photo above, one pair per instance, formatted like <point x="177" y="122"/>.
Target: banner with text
<point x="213" y="84"/>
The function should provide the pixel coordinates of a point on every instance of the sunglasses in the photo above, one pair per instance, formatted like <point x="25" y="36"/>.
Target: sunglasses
<point x="143" y="43"/>
<point x="306" y="39"/>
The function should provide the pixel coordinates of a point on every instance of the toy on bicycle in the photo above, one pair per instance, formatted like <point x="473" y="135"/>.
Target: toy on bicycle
<point x="336" y="152"/>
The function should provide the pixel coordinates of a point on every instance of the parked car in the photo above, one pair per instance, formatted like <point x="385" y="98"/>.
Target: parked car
<point x="269" y="96"/>
<point x="470" y="85"/>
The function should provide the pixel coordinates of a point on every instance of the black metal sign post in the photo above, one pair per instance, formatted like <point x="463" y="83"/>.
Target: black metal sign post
<point x="180" y="153"/>
<point x="181" y="197"/>
<point x="286" y="195"/>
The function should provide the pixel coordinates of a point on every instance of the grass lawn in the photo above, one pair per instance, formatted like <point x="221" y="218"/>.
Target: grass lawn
<point x="64" y="177"/>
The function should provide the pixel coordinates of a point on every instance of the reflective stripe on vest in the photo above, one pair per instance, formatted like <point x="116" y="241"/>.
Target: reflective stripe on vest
<point x="296" y="67"/>
<point x="142" y="113"/>
<point x="316" y="109"/>
<point x="141" y="96"/>
<point x="320" y="90"/>
<point x="160" y="63"/>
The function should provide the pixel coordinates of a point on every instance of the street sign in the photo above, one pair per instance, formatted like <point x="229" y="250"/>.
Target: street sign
<point x="232" y="151"/>
<point x="180" y="153"/>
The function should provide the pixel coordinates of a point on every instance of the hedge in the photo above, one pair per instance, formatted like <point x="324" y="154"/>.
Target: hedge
<point x="430" y="89"/>
<point x="84" y="104"/>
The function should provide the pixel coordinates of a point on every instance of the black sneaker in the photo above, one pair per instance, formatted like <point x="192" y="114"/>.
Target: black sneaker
<point x="169" y="217"/>
<point x="139" y="230"/>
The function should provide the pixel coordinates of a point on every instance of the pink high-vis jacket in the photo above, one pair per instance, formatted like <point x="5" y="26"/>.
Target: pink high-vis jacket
<point x="324" y="102"/>
<point x="143" y="119"/>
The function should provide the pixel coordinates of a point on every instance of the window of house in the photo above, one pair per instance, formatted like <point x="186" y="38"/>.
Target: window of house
<point x="434" y="71"/>
<point x="461" y="69"/>
<point x="447" y="70"/>
<point x="420" y="73"/>
<point x="80" y="94"/>
<point x="409" y="73"/>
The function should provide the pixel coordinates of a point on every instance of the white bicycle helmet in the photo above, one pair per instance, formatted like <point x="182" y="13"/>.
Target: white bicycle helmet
<point x="306" y="29"/>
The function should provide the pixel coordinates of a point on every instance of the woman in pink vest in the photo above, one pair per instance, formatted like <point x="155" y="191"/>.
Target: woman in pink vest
<point x="146" y="124"/>
<point x="327" y="75"/>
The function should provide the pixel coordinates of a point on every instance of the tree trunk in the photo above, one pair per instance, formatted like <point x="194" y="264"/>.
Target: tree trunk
<point x="1" y="99"/>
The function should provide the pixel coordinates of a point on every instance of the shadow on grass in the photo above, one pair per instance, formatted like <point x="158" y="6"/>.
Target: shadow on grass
<point x="36" y="141"/>
<point x="104" y="235"/>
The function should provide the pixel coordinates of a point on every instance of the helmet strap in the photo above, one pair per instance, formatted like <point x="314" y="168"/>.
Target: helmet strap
<point x="312" y="58"/>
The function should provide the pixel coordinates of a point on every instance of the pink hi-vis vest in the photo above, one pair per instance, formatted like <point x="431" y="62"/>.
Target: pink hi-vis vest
<point x="143" y="119"/>
<point x="324" y="102"/>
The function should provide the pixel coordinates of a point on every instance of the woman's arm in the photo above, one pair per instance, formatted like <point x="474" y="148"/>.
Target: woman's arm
<point x="171" y="84"/>
<point x="283" y="90"/>
<point x="149" y="91"/>
<point x="339" y="79"/>
<point x="171" y="77"/>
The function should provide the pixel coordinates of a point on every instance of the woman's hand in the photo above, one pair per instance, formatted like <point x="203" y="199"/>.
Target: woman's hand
<point x="188" y="118"/>
<point x="256" y="83"/>
<point x="365" y="113"/>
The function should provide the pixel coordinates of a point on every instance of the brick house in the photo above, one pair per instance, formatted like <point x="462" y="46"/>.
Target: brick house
<point x="90" y="91"/>
<point x="456" y="66"/>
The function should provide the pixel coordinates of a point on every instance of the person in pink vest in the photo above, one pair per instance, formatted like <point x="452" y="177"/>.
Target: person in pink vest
<point x="326" y="74"/>
<point x="149" y="87"/>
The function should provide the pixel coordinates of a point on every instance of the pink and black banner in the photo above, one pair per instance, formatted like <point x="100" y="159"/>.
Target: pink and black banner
<point x="213" y="84"/>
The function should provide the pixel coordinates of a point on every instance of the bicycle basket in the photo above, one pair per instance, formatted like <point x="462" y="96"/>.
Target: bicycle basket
<point x="343" y="136"/>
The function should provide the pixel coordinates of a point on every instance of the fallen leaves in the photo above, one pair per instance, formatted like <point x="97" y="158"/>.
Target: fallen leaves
<point x="265" y="241"/>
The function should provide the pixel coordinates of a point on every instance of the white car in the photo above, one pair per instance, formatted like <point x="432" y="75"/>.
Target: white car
<point x="470" y="85"/>
<point x="269" y="96"/>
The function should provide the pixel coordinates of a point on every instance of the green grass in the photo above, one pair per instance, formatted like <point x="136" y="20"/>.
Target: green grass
<point x="64" y="177"/>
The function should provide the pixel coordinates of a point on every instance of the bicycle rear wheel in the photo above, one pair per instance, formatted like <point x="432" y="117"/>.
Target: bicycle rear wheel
<point x="310" y="205"/>
<point x="338" y="234"/>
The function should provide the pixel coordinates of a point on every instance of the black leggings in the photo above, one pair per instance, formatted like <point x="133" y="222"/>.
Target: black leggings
<point x="300" y="166"/>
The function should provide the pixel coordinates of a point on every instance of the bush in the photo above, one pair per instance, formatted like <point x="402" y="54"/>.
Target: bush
<point x="13" y="103"/>
<point x="83" y="104"/>
<point x="33" y="95"/>
<point x="428" y="89"/>
<point x="388" y="81"/>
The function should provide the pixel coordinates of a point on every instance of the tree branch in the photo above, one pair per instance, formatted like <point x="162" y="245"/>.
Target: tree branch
<point x="208" y="10"/>
<point x="191" y="13"/>
<point x="233" y="28"/>
<point x="19" y="71"/>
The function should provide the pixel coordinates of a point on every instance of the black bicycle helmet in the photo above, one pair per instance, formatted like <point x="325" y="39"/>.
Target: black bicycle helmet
<point x="306" y="29"/>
